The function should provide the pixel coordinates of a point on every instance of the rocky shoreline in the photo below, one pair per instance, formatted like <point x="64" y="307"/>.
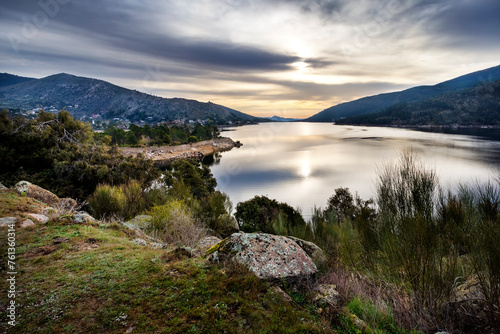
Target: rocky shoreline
<point x="165" y="155"/>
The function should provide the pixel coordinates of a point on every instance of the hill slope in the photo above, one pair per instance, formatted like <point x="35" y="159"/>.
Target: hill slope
<point x="85" y="96"/>
<point x="473" y="106"/>
<point x="377" y="103"/>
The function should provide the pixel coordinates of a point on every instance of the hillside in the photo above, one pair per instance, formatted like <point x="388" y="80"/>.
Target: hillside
<point x="85" y="97"/>
<point x="377" y="103"/>
<point x="466" y="107"/>
<point x="7" y="79"/>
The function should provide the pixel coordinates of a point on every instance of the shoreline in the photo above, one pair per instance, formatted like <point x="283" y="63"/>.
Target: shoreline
<point x="165" y="155"/>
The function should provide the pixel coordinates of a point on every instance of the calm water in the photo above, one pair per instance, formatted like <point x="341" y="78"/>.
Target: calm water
<point x="302" y="163"/>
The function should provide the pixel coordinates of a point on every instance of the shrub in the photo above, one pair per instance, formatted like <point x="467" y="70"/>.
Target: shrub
<point x="408" y="236"/>
<point x="270" y="216"/>
<point x="173" y="223"/>
<point x="107" y="201"/>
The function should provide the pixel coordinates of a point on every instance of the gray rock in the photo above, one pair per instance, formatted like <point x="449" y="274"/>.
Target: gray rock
<point x="310" y="248"/>
<point x="27" y="223"/>
<point x="269" y="257"/>
<point x="326" y="295"/>
<point x="83" y="217"/>
<point x="39" y="219"/>
<point x="2" y="187"/>
<point x="7" y="221"/>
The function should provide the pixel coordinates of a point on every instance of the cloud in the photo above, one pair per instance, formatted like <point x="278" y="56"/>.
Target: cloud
<point x="254" y="53"/>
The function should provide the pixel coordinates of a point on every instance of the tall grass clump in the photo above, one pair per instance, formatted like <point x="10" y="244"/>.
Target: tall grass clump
<point x="484" y="245"/>
<point x="123" y="201"/>
<point x="174" y="223"/>
<point x="411" y="247"/>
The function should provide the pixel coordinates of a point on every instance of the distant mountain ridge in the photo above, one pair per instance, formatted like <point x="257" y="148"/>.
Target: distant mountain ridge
<point x="282" y="119"/>
<point x="86" y="97"/>
<point x="377" y="103"/>
<point x="476" y="106"/>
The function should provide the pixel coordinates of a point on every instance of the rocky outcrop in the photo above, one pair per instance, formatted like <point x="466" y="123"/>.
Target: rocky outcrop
<point x="26" y="188"/>
<point x="270" y="257"/>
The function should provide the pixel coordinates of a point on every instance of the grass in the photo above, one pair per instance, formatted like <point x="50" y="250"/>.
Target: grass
<point x="99" y="281"/>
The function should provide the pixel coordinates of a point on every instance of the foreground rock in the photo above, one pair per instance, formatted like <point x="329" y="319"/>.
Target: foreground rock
<point x="269" y="257"/>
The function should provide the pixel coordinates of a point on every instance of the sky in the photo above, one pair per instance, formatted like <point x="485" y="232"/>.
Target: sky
<point x="291" y="58"/>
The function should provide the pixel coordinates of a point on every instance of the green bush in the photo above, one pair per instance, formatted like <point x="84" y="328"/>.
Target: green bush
<point x="107" y="201"/>
<point x="270" y="216"/>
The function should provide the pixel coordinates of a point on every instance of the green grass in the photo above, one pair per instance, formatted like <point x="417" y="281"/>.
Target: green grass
<point x="100" y="282"/>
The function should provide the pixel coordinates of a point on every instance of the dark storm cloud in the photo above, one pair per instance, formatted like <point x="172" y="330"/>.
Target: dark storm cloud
<point x="121" y="27"/>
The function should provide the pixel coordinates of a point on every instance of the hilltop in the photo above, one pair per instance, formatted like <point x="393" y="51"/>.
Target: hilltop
<point x="87" y="97"/>
<point x="378" y="103"/>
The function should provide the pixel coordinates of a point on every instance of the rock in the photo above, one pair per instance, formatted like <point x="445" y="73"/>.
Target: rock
<point x="83" y="217"/>
<point x="139" y="222"/>
<point x="26" y="188"/>
<point x="68" y="204"/>
<point x="27" y="223"/>
<point x="2" y="187"/>
<point x="7" y="221"/>
<point x="269" y="257"/>
<point x="326" y="295"/>
<point x="311" y="249"/>
<point x="204" y="244"/>
<point x="39" y="219"/>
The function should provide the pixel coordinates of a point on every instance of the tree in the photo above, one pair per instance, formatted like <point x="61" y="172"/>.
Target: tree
<point x="270" y="216"/>
<point x="59" y="153"/>
<point x="342" y="204"/>
<point x="131" y="138"/>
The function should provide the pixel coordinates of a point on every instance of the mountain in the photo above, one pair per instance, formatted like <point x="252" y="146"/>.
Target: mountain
<point x="377" y="103"/>
<point x="85" y="97"/>
<point x="7" y="79"/>
<point x="473" y="106"/>
<point x="282" y="119"/>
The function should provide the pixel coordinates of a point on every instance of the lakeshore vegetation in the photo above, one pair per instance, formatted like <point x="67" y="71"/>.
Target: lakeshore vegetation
<point x="415" y="258"/>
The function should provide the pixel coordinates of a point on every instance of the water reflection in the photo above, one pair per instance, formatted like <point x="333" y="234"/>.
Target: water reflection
<point x="302" y="163"/>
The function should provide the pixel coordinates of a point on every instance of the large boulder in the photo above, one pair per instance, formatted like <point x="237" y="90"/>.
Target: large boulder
<point x="270" y="257"/>
<point x="26" y="188"/>
<point x="311" y="249"/>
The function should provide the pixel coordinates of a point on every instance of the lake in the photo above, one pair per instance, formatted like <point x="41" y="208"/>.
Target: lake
<point x="303" y="163"/>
